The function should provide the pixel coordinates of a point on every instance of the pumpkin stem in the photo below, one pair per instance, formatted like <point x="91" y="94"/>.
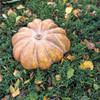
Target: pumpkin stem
<point x="38" y="37"/>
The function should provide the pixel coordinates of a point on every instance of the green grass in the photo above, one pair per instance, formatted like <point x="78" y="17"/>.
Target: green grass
<point x="77" y="86"/>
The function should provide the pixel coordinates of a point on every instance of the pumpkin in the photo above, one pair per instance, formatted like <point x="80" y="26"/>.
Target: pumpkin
<point x="40" y="44"/>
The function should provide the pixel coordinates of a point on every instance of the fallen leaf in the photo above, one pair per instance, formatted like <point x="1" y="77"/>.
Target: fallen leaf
<point x="70" y="72"/>
<point x="15" y="73"/>
<point x="62" y="61"/>
<point x="27" y="81"/>
<point x="76" y="11"/>
<point x="4" y="16"/>
<point x="29" y="12"/>
<point x="17" y="92"/>
<point x="74" y="32"/>
<point x="52" y="3"/>
<point x="10" y="11"/>
<point x="31" y="75"/>
<point x="70" y="57"/>
<point x="90" y="45"/>
<point x="69" y="4"/>
<point x="86" y="64"/>
<point x="49" y="88"/>
<point x="12" y="89"/>
<point x="96" y="86"/>
<point x="96" y="50"/>
<point x="89" y="91"/>
<point x="20" y="18"/>
<point x="2" y="24"/>
<point x="6" y="97"/>
<point x="85" y="56"/>
<point x="0" y="78"/>
<point x="38" y="81"/>
<point x="97" y="42"/>
<point x="68" y="10"/>
<point x="20" y="7"/>
<point x="44" y="98"/>
<point x="58" y="77"/>
<point x="38" y="88"/>
<point x="42" y="87"/>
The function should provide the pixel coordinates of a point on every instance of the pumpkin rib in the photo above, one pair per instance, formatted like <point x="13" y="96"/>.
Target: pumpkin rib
<point x="16" y="38"/>
<point x="24" y="48"/>
<point x="23" y="29"/>
<point x="36" y="55"/>
<point x="46" y="53"/>
<point x="55" y="41"/>
<point x="14" y="49"/>
<point x="57" y="30"/>
<point x="54" y="45"/>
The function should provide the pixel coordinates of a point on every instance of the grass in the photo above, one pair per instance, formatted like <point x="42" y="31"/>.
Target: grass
<point x="82" y="85"/>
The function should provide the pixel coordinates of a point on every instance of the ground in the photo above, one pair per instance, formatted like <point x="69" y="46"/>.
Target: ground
<point x="76" y="76"/>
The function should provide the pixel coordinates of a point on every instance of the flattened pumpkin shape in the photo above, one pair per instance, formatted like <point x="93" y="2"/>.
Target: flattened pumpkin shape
<point x="40" y="44"/>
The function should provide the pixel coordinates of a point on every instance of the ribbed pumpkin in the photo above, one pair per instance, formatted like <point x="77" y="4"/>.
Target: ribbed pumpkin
<point x="40" y="44"/>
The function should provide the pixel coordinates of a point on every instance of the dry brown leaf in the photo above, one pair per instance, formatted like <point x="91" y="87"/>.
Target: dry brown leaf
<point x="27" y="81"/>
<point x="38" y="88"/>
<point x="12" y="89"/>
<point x="68" y="4"/>
<point x="16" y="93"/>
<point x="86" y="57"/>
<point x="58" y="77"/>
<point x="74" y="32"/>
<point x="15" y="72"/>
<point x="31" y="75"/>
<point x="97" y="42"/>
<point x="52" y="3"/>
<point x="70" y="57"/>
<point x="42" y="87"/>
<point x="10" y="11"/>
<point x="0" y="78"/>
<point x="86" y="64"/>
<point x="90" y="45"/>
<point x="20" y="7"/>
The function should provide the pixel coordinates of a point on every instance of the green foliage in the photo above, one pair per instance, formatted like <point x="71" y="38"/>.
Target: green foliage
<point x="74" y="82"/>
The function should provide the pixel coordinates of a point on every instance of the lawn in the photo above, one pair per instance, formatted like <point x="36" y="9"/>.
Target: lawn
<point x="70" y="79"/>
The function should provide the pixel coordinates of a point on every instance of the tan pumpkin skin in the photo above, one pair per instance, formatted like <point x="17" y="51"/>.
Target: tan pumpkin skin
<point x="40" y="44"/>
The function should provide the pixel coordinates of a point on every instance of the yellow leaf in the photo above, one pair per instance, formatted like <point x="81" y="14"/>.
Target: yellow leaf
<point x="17" y="92"/>
<point x="38" y="81"/>
<point x="20" y="7"/>
<point x="10" y="11"/>
<point x="86" y="64"/>
<point x="44" y="98"/>
<point x="12" y="90"/>
<point x="0" y="78"/>
<point x="27" y="81"/>
<point x="76" y="11"/>
<point x="58" y="77"/>
<point x="15" y="72"/>
<point x="70" y="57"/>
<point x="68" y="10"/>
<point x="62" y="61"/>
